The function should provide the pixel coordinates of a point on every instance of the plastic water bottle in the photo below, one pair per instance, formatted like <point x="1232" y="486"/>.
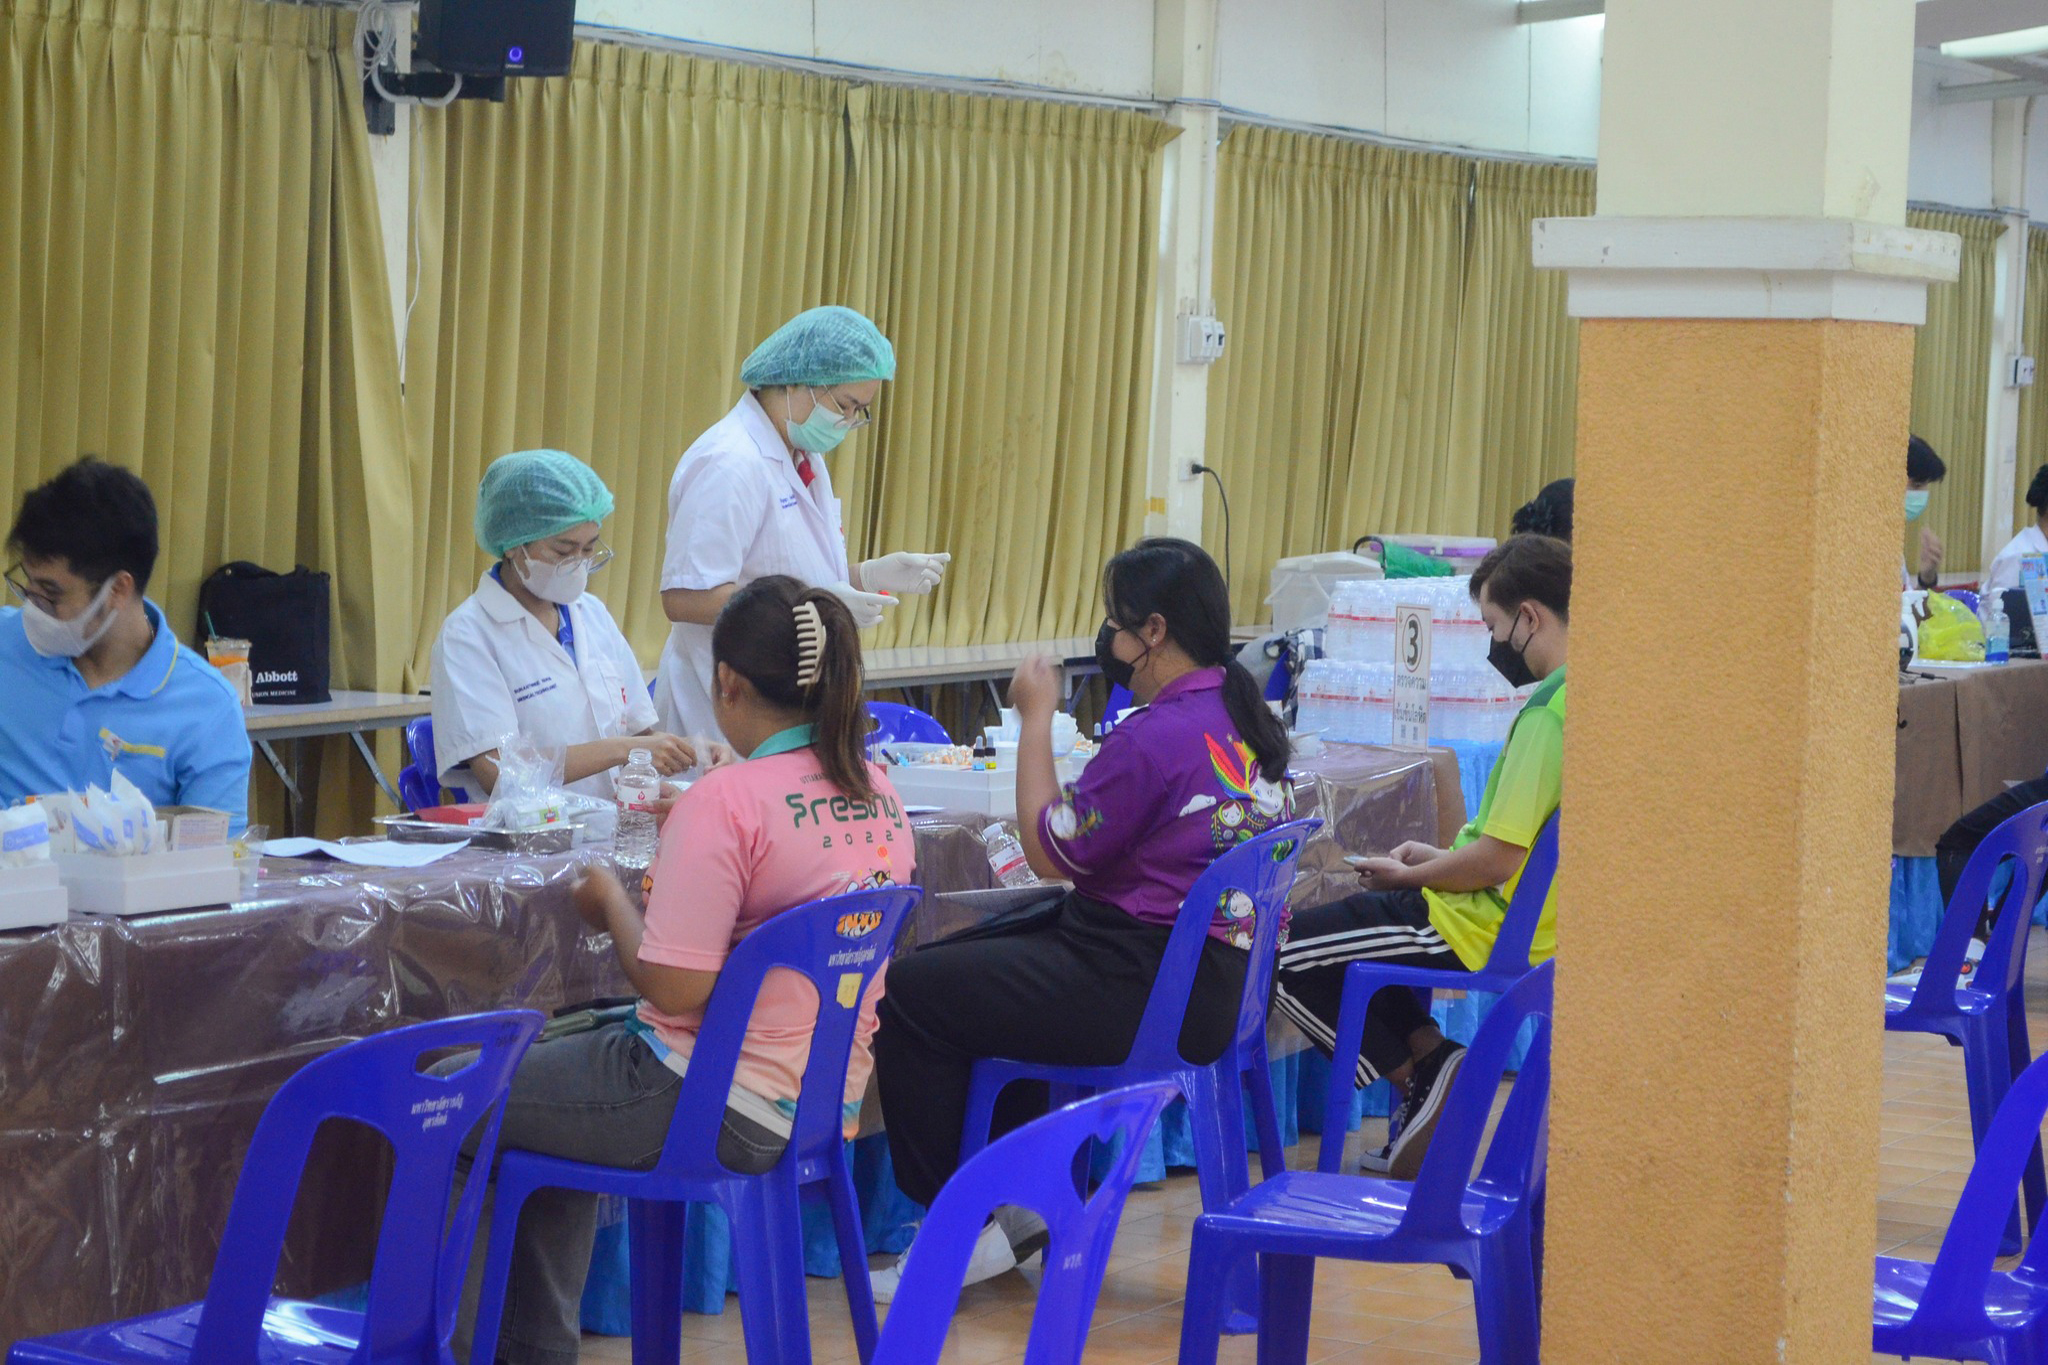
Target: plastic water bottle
<point x="638" y="786"/>
<point x="1997" y="631"/>
<point x="1006" y="856"/>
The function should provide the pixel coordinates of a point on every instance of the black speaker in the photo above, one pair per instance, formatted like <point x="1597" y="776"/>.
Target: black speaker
<point x="497" y="37"/>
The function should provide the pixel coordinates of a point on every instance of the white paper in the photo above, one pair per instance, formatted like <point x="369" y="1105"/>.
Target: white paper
<point x="369" y="853"/>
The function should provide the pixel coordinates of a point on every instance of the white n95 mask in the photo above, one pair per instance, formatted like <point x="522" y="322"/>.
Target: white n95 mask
<point x="557" y="583"/>
<point x="57" y="639"/>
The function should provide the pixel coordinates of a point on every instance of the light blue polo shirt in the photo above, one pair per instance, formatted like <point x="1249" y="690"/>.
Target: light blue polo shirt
<point x="173" y="725"/>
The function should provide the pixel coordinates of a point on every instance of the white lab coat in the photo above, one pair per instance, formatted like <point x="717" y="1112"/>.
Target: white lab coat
<point x="2004" y="574"/>
<point x="496" y="670"/>
<point x="737" y="511"/>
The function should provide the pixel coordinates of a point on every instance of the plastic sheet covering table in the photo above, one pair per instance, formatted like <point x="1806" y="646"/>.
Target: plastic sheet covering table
<point x="136" y="1055"/>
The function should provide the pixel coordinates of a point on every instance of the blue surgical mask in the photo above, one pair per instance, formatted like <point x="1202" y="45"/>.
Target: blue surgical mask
<point x="822" y="431"/>
<point x="1916" y="503"/>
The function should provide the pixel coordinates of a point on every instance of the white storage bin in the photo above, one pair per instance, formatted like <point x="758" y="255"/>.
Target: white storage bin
<point x="150" y="883"/>
<point x="32" y="897"/>
<point x="965" y="789"/>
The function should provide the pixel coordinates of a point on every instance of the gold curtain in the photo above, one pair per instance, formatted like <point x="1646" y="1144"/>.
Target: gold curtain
<point x="599" y="254"/>
<point x="195" y="288"/>
<point x="1395" y="362"/>
<point x="1009" y="250"/>
<point x="1515" y="411"/>
<point x="2033" y="433"/>
<point x="1951" y="367"/>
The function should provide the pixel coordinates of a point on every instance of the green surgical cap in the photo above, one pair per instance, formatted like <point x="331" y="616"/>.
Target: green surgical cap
<point x="821" y="347"/>
<point x="530" y="495"/>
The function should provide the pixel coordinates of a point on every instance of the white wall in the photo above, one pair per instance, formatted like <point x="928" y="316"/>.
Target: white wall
<point x="1452" y="71"/>
<point x="1095" y="47"/>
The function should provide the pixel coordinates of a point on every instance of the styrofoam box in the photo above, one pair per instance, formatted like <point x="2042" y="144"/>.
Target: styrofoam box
<point x="967" y="789"/>
<point x="32" y="897"/>
<point x="150" y="883"/>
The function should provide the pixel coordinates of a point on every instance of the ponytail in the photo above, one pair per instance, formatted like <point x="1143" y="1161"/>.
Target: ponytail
<point x="1177" y="581"/>
<point x="758" y="636"/>
<point x="837" y="703"/>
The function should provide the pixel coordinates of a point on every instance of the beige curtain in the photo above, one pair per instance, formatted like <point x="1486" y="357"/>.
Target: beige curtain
<point x="1951" y="366"/>
<point x="1515" y="404"/>
<point x="1395" y="363"/>
<point x="599" y="254"/>
<point x="2033" y="433"/>
<point x="194" y="287"/>
<point x="1009" y="250"/>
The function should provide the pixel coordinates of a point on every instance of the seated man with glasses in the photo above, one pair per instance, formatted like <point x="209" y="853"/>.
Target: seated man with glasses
<point x="92" y="679"/>
<point x="531" y="652"/>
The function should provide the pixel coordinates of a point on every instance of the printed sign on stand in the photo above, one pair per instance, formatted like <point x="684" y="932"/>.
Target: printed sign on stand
<point x="2034" y="578"/>
<point x="1411" y="677"/>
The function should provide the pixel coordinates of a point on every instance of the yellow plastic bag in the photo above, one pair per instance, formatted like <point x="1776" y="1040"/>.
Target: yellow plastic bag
<point x="1950" y="634"/>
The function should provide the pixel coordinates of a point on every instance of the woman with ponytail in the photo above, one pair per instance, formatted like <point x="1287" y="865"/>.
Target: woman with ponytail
<point x="744" y="844"/>
<point x="1200" y="769"/>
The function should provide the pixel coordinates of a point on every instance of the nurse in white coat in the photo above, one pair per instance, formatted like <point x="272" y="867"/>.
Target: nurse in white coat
<point x="531" y="651"/>
<point x="752" y="497"/>
<point x="2004" y="574"/>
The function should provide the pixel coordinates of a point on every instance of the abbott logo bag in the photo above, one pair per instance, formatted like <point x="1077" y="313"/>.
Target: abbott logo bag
<point x="283" y="616"/>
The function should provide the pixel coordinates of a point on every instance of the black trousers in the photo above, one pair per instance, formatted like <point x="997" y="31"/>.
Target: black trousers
<point x="1065" y="987"/>
<point x="1379" y="926"/>
<point x="1952" y="851"/>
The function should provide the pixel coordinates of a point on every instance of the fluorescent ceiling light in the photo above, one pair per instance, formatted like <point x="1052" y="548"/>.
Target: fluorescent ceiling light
<point x="2023" y="42"/>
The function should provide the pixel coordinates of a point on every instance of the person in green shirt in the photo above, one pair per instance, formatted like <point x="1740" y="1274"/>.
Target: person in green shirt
<point x="1442" y="908"/>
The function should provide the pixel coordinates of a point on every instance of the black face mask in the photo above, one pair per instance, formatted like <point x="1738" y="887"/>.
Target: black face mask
<point x="1116" y="670"/>
<point x="1509" y="661"/>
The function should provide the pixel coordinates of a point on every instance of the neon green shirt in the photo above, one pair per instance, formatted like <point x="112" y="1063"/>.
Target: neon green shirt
<point x="1523" y="789"/>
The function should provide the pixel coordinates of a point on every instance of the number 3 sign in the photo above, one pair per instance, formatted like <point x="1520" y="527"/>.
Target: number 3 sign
<point x="1411" y="677"/>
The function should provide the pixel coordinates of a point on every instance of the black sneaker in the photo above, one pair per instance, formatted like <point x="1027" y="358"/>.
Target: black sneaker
<point x="1427" y="1089"/>
<point x="1381" y="1160"/>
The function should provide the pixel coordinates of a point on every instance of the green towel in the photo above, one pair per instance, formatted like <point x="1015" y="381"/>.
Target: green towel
<point x="1401" y="562"/>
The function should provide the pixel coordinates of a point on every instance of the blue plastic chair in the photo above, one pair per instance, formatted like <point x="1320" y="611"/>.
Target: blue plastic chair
<point x="419" y="782"/>
<point x="1961" y="1307"/>
<point x="840" y="943"/>
<point x="1031" y="1168"/>
<point x="899" y="724"/>
<point x="1486" y="1229"/>
<point x="1985" y="1013"/>
<point x="416" y="1279"/>
<point x="1505" y="965"/>
<point x="1262" y="870"/>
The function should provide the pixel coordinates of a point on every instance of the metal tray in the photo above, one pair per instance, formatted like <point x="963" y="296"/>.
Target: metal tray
<point x="545" y="839"/>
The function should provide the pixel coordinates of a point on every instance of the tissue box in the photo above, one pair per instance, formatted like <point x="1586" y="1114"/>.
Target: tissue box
<point x="194" y="826"/>
<point x="32" y="897"/>
<point x="149" y="883"/>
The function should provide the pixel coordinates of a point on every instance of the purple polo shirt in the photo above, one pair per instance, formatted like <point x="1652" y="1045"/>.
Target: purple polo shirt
<point x="1171" y="789"/>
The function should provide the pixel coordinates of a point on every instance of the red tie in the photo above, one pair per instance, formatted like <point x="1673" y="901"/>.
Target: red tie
<point x="804" y="471"/>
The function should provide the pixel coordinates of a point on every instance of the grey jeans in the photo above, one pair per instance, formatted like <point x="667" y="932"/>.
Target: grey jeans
<point x="601" y="1097"/>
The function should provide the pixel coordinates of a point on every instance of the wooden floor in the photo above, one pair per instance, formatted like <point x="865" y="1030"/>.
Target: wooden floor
<point x="1384" y="1315"/>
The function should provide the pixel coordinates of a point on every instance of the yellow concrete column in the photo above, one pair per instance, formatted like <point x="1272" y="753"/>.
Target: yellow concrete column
<point x="1744" y="378"/>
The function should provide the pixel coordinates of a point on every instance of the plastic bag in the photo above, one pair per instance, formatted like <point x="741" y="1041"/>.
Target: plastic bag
<point x="528" y="793"/>
<point x="1950" y="633"/>
<point x="24" y="836"/>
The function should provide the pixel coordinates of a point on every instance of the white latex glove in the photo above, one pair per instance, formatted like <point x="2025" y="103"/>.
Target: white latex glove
<point x="904" y="572"/>
<point x="867" y="607"/>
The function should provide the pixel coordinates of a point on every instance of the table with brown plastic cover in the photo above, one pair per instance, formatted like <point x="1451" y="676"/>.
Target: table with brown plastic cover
<point x="136" y="1055"/>
<point x="1963" y="735"/>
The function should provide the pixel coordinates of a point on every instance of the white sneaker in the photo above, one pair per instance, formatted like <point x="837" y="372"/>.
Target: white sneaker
<point x="1026" y="1230"/>
<point x="992" y="1256"/>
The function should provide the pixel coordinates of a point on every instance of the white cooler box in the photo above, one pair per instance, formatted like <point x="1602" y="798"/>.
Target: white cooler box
<point x="151" y="883"/>
<point x="32" y="897"/>
<point x="984" y="792"/>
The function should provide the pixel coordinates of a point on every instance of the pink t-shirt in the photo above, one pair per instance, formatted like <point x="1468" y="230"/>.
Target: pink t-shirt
<point x="750" y="841"/>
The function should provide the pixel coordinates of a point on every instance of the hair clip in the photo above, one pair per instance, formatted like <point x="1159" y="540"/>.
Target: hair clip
<point x="810" y="643"/>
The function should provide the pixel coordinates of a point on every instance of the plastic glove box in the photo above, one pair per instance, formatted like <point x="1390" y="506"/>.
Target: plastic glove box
<point x="150" y="883"/>
<point x="32" y="897"/>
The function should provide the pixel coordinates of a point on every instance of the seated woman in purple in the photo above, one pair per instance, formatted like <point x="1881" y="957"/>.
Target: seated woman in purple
<point x="1202" y="767"/>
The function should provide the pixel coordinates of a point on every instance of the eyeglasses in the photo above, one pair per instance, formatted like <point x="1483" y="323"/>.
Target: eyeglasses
<point x="859" y="418"/>
<point x="599" y="556"/>
<point x="17" y="584"/>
